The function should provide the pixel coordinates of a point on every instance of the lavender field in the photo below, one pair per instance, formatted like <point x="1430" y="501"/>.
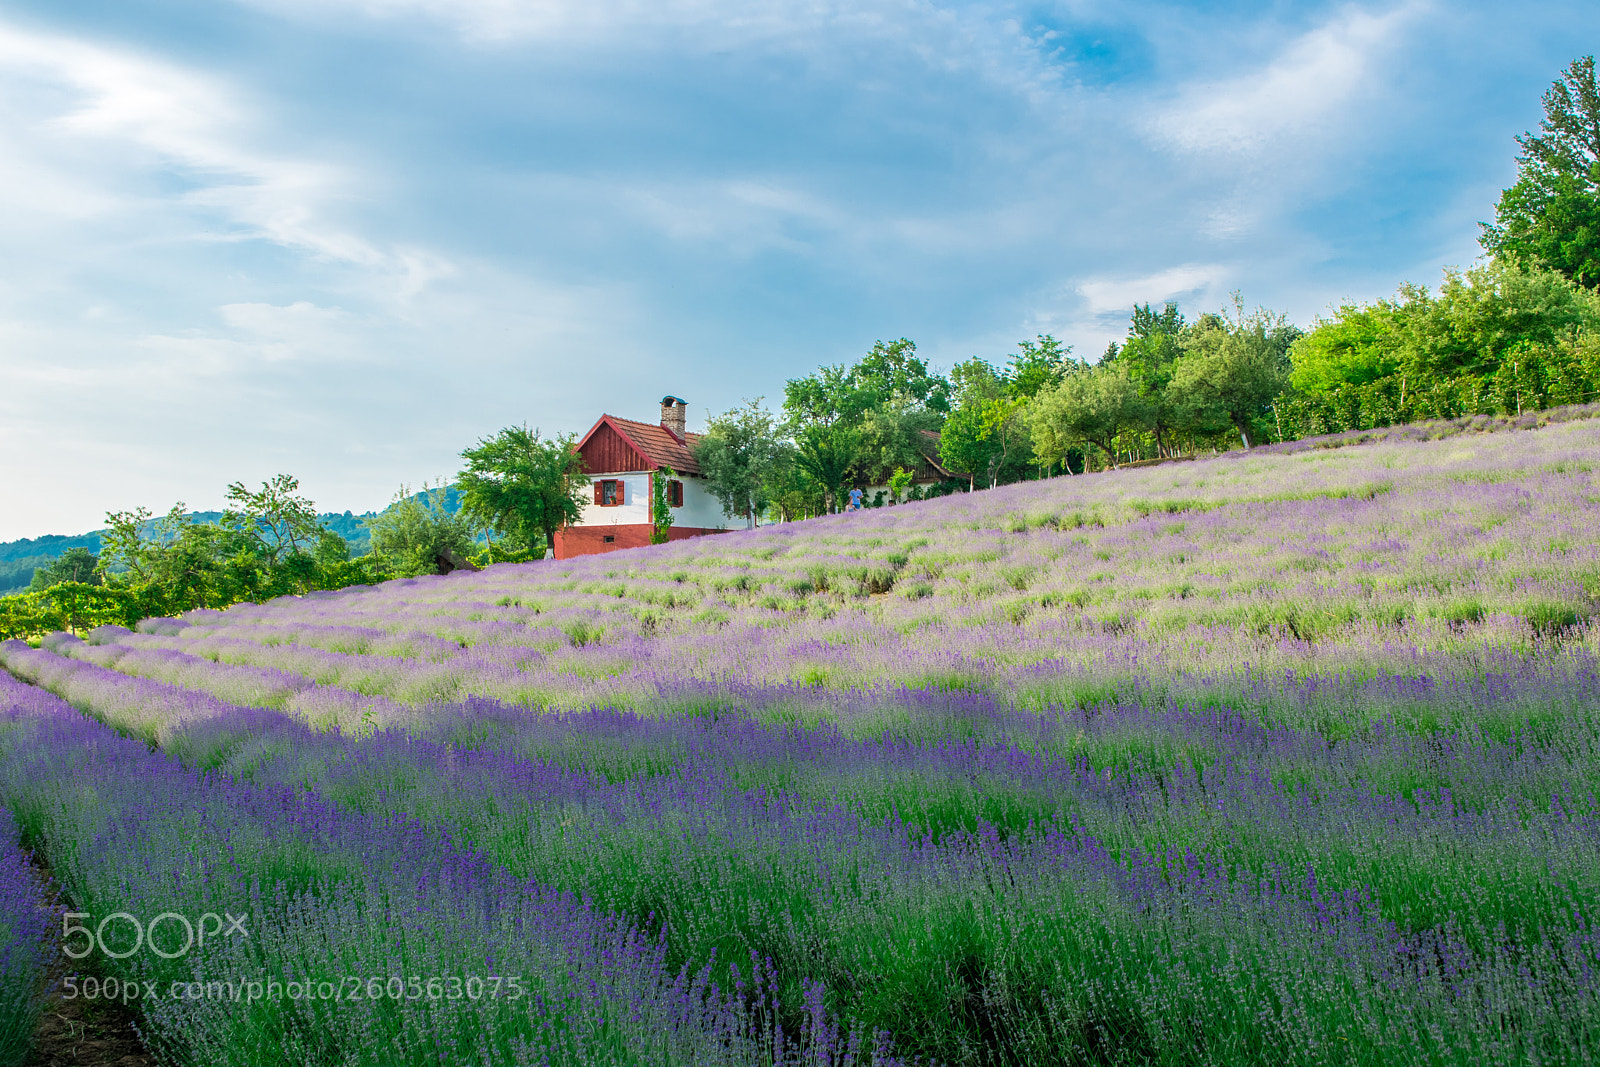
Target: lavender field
<point x="1283" y="758"/>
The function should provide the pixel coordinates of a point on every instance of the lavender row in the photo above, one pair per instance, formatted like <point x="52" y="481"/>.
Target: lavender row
<point x="1418" y="692"/>
<point x="1102" y="767"/>
<point x="328" y="895"/>
<point x="843" y="858"/>
<point x="27" y="945"/>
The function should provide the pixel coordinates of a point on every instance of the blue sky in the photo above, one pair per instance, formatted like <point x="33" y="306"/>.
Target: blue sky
<point x="344" y="239"/>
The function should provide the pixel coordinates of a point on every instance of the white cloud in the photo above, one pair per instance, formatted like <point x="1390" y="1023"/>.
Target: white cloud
<point x="90" y="124"/>
<point x="1312" y="87"/>
<point x="498" y="20"/>
<point x="297" y="331"/>
<point x="984" y="39"/>
<point x="1106" y="295"/>
<point x="740" y="216"/>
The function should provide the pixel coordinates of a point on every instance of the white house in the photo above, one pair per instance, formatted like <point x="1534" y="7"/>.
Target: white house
<point x="623" y="458"/>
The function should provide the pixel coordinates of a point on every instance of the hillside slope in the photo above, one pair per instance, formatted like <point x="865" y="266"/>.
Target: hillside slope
<point x="1261" y="759"/>
<point x="1323" y="560"/>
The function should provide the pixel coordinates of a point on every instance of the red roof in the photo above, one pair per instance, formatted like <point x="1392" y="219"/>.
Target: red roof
<point x="656" y="445"/>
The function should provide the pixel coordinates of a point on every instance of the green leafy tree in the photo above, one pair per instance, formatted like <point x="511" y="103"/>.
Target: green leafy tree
<point x="522" y="486"/>
<point x="1150" y="353"/>
<point x="1359" y="344"/>
<point x="266" y="544"/>
<point x="1232" y="368"/>
<point x="966" y="439"/>
<point x="1480" y="316"/>
<point x="1552" y="213"/>
<point x="1041" y="363"/>
<point x="891" y="436"/>
<point x="277" y="522"/>
<point x="178" y="563"/>
<point x="886" y="400"/>
<point x="899" y="482"/>
<point x="986" y="431"/>
<point x="795" y="494"/>
<point x="1423" y="355"/>
<point x="824" y="397"/>
<point x="838" y="393"/>
<point x="124" y="544"/>
<point x="739" y="455"/>
<point x="1005" y="426"/>
<point x="1090" y="405"/>
<point x="964" y="442"/>
<point x="76" y="564"/>
<point x="417" y="534"/>
<point x="893" y="370"/>
<point x="826" y="453"/>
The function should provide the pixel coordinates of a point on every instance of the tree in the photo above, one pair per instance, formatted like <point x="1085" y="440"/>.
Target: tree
<point x="178" y="563"/>
<point x="1480" y="316"/>
<point x="523" y="487"/>
<point x="825" y="396"/>
<point x="899" y="482"/>
<point x="966" y="441"/>
<point x="278" y="523"/>
<point x="886" y="400"/>
<point x="1358" y="345"/>
<point x="738" y="457"/>
<point x="891" y="437"/>
<point x="1478" y="319"/>
<point x="795" y="493"/>
<point x="76" y="564"/>
<point x="416" y="534"/>
<point x="1233" y="368"/>
<point x="124" y="544"/>
<point x="986" y="431"/>
<point x="1552" y="213"/>
<point x="982" y="435"/>
<point x="1150" y="352"/>
<point x="1039" y="365"/>
<point x="266" y="544"/>
<point x="1090" y="405"/>
<point x="826" y="453"/>
<point x="892" y="370"/>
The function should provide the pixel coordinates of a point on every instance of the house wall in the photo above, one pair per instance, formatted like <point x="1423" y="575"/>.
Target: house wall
<point x="635" y="506"/>
<point x="700" y="510"/>
<point x="590" y="540"/>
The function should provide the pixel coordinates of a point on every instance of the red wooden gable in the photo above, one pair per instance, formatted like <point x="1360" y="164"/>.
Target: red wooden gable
<point x="615" y="446"/>
<point x="608" y="451"/>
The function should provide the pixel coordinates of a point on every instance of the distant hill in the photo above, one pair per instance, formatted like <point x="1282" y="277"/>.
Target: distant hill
<point x="48" y="547"/>
<point x="19" y="558"/>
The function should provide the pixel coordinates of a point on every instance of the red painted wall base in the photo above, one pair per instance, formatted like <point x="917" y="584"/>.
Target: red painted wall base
<point x="591" y="540"/>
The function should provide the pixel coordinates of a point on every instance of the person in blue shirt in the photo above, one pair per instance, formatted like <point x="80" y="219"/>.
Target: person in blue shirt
<point x="855" y="500"/>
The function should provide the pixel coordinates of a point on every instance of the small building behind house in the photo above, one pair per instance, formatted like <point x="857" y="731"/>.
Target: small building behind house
<point x="623" y="458"/>
<point x="928" y="471"/>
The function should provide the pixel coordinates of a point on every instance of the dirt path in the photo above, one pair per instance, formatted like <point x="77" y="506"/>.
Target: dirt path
<point x="78" y="1032"/>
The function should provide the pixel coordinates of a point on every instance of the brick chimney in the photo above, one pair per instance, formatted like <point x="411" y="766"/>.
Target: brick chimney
<point x="675" y="417"/>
